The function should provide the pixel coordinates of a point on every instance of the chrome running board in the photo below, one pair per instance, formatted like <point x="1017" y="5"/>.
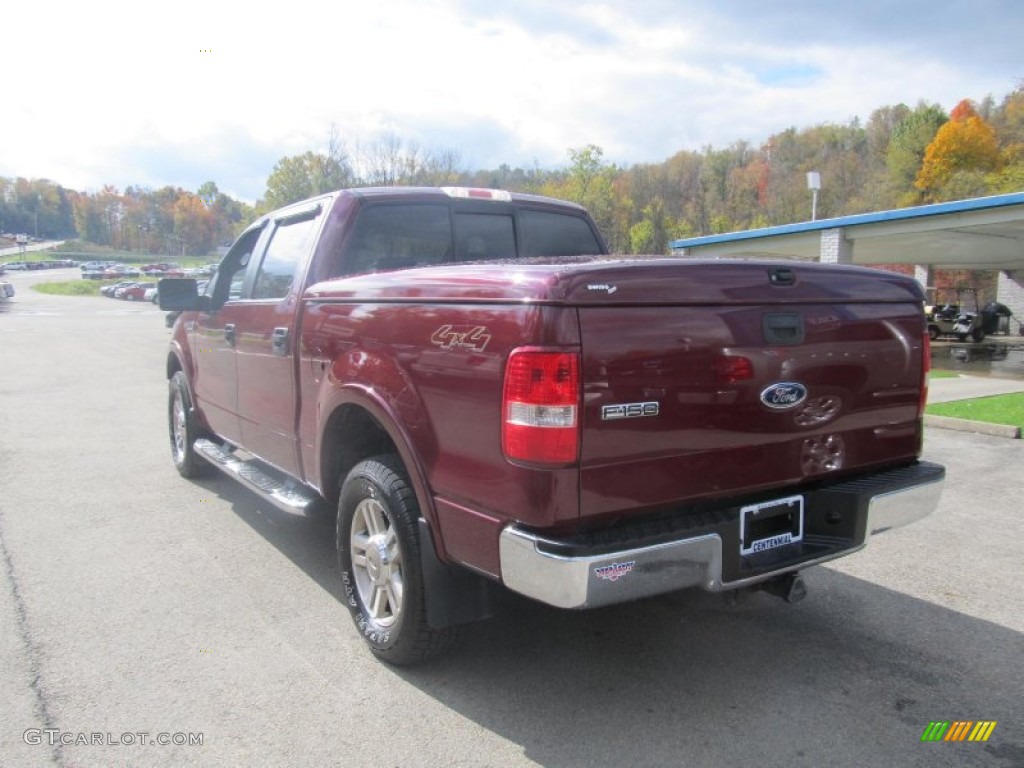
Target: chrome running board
<point x="288" y="496"/>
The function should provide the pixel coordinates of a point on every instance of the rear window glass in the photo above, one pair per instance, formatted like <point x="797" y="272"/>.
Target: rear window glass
<point x="555" y="234"/>
<point x="484" y="236"/>
<point x="397" y="236"/>
<point x="417" y="235"/>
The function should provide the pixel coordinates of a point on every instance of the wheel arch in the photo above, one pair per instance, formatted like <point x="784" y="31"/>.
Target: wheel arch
<point x="178" y="360"/>
<point x="357" y="426"/>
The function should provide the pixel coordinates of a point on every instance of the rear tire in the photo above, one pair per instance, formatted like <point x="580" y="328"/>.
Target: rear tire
<point x="183" y="430"/>
<point x="379" y="556"/>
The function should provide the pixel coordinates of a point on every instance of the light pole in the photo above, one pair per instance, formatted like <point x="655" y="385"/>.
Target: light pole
<point x="814" y="184"/>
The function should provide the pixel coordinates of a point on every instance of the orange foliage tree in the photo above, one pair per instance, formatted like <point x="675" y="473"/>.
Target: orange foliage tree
<point x="967" y="143"/>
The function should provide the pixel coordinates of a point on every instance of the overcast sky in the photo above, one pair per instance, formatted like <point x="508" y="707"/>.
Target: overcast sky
<point x="134" y="93"/>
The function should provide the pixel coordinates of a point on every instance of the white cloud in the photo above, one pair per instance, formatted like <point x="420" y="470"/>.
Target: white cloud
<point x="122" y="93"/>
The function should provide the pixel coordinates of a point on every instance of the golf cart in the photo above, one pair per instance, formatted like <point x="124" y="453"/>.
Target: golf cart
<point x="960" y="320"/>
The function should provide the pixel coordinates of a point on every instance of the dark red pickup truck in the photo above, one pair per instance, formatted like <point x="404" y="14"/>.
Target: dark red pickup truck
<point x="487" y="398"/>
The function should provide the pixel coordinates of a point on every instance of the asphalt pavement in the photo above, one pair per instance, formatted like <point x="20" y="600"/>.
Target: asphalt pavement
<point x="137" y="607"/>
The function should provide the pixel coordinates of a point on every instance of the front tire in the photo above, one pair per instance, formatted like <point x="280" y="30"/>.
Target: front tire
<point x="183" y="430"/>
<point x="379" y="556"/>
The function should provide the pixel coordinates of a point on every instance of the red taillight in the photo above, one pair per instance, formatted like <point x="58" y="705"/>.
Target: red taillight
<point x="732" y="368"/>
<point x="926" y="367"/>
<point x="540" y="407"/>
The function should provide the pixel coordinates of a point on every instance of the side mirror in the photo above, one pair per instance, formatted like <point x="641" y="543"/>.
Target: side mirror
<point x="181" y="294"/>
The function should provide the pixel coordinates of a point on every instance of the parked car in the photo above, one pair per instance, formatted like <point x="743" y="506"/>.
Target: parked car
<point x="108" y="290"/>
<point x="119" y="292"/>
<point x="95" y="266"/>
<point x="136" y="291"/>
<point x="120" y="270"/>
<point x="15" y="266"/>
<point x="152" y="294"/>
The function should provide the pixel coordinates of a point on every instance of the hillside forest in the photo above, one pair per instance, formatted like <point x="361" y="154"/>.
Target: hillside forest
<point x="901" y="156"/>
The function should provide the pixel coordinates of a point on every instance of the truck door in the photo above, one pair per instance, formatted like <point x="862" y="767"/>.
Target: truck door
<point x="213" y="340"/>
<point x="266" y="335"/>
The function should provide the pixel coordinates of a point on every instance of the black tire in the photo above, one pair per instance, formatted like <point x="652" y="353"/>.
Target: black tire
<point x="933" y="332"/>
<point x="379" y="556"/>
<point x="183" y="430"/>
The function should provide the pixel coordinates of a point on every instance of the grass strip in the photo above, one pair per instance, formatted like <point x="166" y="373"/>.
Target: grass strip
<point x="70" y="288"/>
<point x="1000" y="409"/>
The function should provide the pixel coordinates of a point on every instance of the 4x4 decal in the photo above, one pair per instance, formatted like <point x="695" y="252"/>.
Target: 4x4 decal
<point x="474" y="338"/>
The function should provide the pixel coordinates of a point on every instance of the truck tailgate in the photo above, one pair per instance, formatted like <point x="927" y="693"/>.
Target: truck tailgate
<point x="731" y="379"/>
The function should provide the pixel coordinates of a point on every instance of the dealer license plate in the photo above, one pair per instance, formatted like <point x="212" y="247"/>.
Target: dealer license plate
<point x="771" y="524"/>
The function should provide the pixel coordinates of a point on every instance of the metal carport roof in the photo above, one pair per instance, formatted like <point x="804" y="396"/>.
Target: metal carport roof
<point x="982" y="233"/>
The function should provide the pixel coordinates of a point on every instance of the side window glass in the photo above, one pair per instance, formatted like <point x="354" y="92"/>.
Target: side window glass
<point x="397" y="236"/>
<point x="238" y="278"/>
<point x="555" y="234"/>
<point x="484" y="236"/>
<point x="288" y="248"/>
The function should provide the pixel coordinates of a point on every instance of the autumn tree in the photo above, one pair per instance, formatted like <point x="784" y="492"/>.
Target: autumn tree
<point x="194" y="225"/>
<point x="962" y="152"/>
<point x="230" y="216"/>
<point x="1008" y="120"/>
<point x="89" y="219"/>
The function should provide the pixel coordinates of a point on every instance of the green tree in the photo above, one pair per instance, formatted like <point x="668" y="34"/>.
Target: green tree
<point x="590" y="182"/>
<point x="910" y="139"/>
<point x="651" y="233"/>
<point x="300" y="176"/>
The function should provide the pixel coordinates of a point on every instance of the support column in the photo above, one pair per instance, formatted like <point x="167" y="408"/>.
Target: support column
<point x="1010" y="291"/>
<point x="835" y="248"/>
<point x="925" y="275"/>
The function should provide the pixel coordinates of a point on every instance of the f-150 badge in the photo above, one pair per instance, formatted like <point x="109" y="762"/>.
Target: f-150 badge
<point x="629" y="411"/>
<point x="474" y="338"/>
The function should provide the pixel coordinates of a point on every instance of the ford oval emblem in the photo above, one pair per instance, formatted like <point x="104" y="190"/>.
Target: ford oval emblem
<point x="783" y="395"/>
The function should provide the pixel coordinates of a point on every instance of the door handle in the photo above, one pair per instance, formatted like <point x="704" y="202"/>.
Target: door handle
<point x="229" y="334"/>
<point x="279" y="342"/>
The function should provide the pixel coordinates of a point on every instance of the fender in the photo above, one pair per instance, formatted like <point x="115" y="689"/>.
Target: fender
<point x="181" y="354"/>
<point x="389" y="394"/>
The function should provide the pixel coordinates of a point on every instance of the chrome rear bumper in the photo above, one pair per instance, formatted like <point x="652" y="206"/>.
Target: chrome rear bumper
<point x="532" y="565"/>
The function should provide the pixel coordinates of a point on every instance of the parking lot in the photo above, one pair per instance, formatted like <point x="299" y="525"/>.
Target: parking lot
<point x="135" y="604"/>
